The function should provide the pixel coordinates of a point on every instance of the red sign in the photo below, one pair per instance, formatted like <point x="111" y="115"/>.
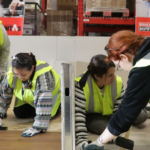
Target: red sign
<point x="143" y="26"/>
<point x="13" y="26"/>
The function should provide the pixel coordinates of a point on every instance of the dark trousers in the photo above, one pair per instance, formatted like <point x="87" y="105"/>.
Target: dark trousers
<point x="24" y="111"/>
<point x="97" y="123"/>
<point x="27" y="111"/>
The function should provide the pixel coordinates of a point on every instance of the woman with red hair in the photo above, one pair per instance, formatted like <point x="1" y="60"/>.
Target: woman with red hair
<point x="132" y="53"/>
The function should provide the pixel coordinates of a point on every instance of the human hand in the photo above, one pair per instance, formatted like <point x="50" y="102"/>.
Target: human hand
<point x="82" y="145"/>
<point x="95" y="145"/>
<point x="16" y="3"/>
<point x="30" y="132"/>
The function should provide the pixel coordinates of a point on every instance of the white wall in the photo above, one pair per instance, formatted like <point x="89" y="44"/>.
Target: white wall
<point x="55" y="49"/>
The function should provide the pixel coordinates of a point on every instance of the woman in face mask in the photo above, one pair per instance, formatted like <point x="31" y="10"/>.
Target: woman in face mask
<point x="36" y="86"/>
<point x="98" y="94"/>
<point x="132" y="53"/>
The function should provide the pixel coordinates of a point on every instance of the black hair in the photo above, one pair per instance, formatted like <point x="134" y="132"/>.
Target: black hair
<point x="31" y="60"/>
<point x="99" y="66"/>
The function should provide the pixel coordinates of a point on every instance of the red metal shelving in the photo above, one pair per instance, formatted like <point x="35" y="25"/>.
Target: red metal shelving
<point x="44" y="2"/>
<point x="100" y="20"/>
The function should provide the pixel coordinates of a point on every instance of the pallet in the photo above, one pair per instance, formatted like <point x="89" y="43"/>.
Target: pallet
<point x="103" y="12"/>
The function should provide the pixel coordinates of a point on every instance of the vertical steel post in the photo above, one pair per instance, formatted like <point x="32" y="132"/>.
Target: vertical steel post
<point x="67" y="106"/>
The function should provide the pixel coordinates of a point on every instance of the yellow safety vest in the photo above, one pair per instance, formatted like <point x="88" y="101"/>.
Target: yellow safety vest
<point x="1" y="35"/>
<point x="28" y="97"/>
<point x="95" y="102"/>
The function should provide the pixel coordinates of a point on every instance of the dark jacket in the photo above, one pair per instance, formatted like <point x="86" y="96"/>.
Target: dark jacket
<point x="136" y="96"/>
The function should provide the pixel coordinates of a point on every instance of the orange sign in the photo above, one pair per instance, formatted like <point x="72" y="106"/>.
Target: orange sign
<point x="13" y="26"/>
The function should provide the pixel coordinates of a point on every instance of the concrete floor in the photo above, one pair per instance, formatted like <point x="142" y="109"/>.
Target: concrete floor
<point x="140" y="134"/>
<point x="15" y="124"/>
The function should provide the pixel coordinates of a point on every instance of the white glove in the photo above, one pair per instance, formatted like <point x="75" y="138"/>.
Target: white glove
<point x="30" y="132"/>
<point x="79" y="146"/>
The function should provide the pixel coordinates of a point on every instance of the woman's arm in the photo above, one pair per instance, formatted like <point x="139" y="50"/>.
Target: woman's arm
<point x="119" y="99"/>
<point x="6" y="94"/>
<point x="80" y="116"/>
<point x="43" y="101"/>
<point x="5" y="50"/>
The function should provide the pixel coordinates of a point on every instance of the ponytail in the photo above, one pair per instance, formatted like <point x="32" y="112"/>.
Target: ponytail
<point x="29" y="84"/>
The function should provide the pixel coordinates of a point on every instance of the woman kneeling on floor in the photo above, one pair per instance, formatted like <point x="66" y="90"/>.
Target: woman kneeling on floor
<point x="36" y="87"/>
<point x="98" y="94"/>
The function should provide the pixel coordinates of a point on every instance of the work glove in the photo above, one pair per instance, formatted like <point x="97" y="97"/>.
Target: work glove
<point x="82" y="145"/>
<point x="96" y="145"/>
<point x="30" y="132"/>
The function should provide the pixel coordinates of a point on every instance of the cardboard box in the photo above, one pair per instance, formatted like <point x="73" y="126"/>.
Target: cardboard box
<point x="94" y="4"/>
<point x="121" y="3"/>
<point x="49" y="4"/>
<point x="67" y="2"/>
<point x="60" y="22"/>
<point x="53" y="4"/>
<point x="68" y="5"/>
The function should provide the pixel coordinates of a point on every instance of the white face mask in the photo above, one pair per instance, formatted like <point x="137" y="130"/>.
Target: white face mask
<point x="124" y="64"/>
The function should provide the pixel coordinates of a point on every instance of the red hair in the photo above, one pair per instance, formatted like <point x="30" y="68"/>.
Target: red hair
<point x="124" y="41"/>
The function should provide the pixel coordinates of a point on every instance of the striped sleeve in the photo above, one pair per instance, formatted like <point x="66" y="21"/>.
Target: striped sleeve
<point x="119" y="99"/>
<point x="80" y="115"/>
<point x="43" y="100"/>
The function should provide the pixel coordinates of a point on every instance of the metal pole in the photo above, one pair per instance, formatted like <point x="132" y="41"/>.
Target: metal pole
<point x="67" y="105"/>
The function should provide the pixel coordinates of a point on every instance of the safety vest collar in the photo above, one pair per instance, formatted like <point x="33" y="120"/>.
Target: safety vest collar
<point x="40" y="68"/>
<point x="95" y="103"/>
<point x="98" y="103"/>
<point x="1" y="36"/>
<point x="143" y="62"/>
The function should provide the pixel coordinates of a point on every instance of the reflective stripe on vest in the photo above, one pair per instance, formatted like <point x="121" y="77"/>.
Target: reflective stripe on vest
<point x="1" y="35"/>
<point x="143" y="62"/>
<point x="28" y="97"/>
<point x="95" y="102"/>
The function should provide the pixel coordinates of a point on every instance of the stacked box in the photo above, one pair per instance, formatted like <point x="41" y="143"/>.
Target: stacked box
<point x="49" y="4"/>
<point x="68" y="5"/>
<point x="59" y="22"/>
<point x="121" y="3"/>
<point x="94" y="4"/>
